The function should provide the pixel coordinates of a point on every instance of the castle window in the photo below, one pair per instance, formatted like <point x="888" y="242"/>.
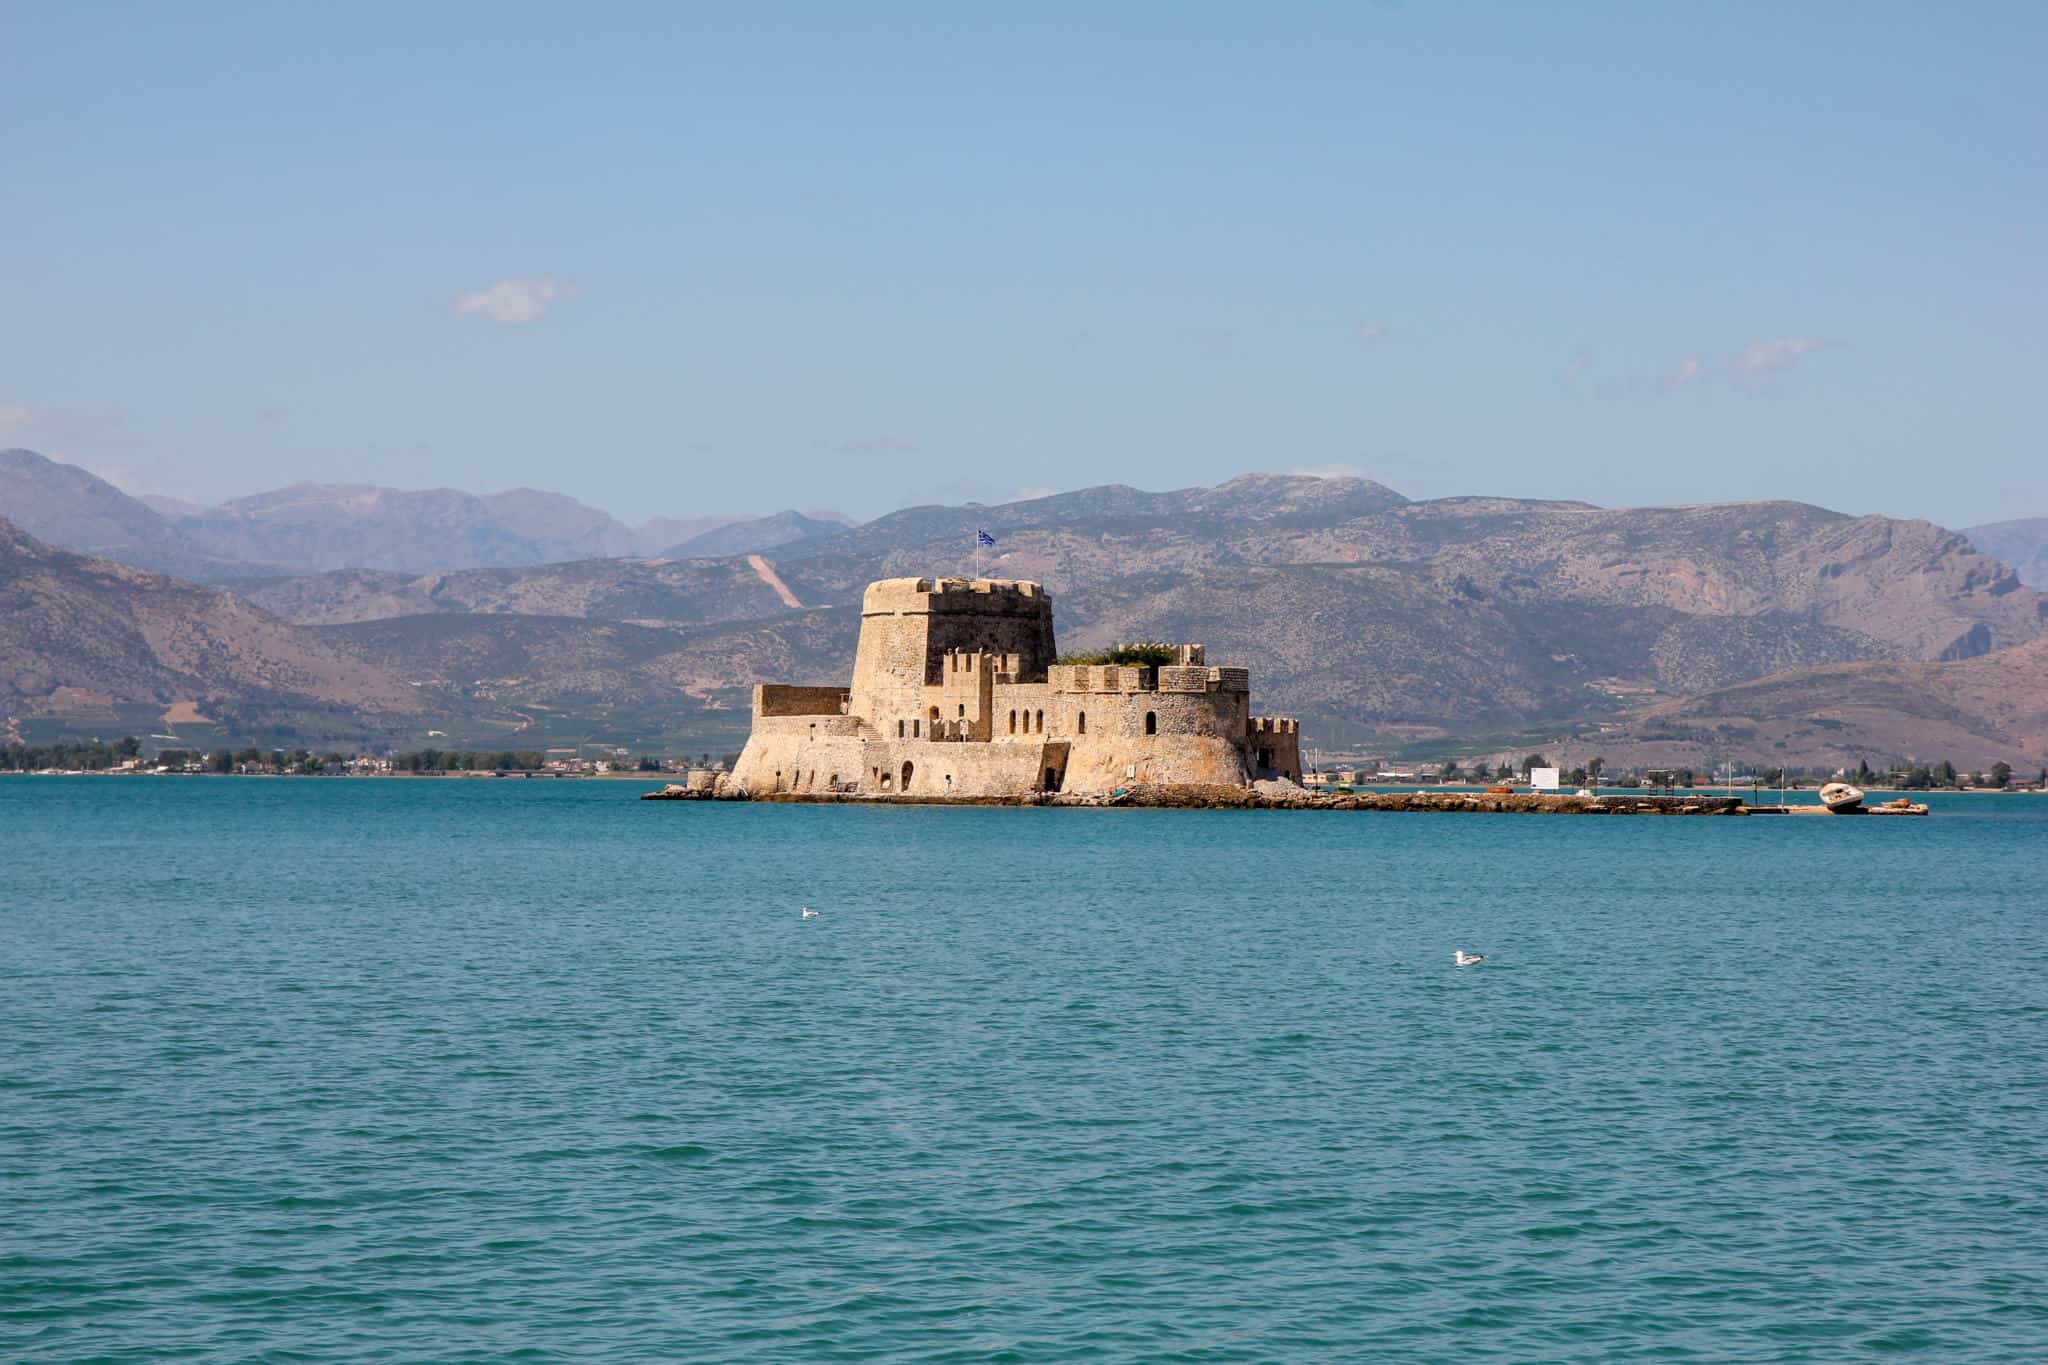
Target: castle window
<point x="1081" y="723"/>
<point x="906" y="777"/>
<point x="1041" y="722"/>
<point x="1151" y="722"/>
<point x="899" y="729"/>
<point x="963" y="708"/>
<point x="935" y="714"/>
<point x="1013" y="722"/>
<point x="913" y="730"/>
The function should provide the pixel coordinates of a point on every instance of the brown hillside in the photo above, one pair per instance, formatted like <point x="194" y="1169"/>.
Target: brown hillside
<point x="81" y="631"/>
<point x="1973" y="712"/>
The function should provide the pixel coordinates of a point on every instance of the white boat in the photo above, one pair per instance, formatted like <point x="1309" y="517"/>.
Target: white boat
<point x="1841" y="798"/>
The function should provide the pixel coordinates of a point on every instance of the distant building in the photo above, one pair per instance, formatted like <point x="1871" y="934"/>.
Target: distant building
<point x="955" y="693"/>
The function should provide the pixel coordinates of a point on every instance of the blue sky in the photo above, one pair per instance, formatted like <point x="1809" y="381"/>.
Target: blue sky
<point x="678" y="259"/>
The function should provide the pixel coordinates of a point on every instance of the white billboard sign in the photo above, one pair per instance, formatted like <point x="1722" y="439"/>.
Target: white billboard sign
<point x="1543" y="779"/>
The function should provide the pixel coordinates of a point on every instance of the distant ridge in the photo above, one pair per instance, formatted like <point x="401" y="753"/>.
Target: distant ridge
<point x="68" y="506"/>
<point x="2022" y="544"/>
<point x="778" y="532"/>
<point x="315" y="528"/>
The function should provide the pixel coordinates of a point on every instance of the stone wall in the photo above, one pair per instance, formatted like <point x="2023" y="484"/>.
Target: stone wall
<point x="784" y="754"/>
<point x="945" y="768"/>
<point x="1275" y="745"/>
<point x="775" y="699"/>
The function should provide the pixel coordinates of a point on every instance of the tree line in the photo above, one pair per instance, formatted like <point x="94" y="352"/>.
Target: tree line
<point x="468" y="761"/>
<point x="89" y="756"/>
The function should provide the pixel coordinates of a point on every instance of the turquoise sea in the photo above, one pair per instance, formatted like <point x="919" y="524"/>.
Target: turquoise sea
<point x="346" y="1070"/>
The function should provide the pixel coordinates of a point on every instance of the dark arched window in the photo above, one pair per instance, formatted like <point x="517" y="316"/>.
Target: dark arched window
<point x="1013" y="722"/>
<point x="1081" y="723"/>
<point x="899" y="729"/>
<point x="913" y="729"/>
<point x="1151" y="722"/>
<point x="963" y="709"/>
<point x="1041" y="722"/>
<point x="906" y="777"/>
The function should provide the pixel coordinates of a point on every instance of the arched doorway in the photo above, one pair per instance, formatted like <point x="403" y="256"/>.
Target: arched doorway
<point x="906" y="777"/>
<point x="1151" y="722"/>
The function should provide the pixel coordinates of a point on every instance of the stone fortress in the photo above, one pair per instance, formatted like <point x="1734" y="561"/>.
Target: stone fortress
<point x="955" y="694"/>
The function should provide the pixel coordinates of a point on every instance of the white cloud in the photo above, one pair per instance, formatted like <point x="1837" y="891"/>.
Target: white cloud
<point x="1327" y="471"/>
<point x="1370" y="332"/>
<point x="1752" y="367"/>
<point x="1779" y="353"/>
<point x="513" y="303"/>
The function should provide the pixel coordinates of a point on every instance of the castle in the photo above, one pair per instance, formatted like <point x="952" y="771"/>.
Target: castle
<point x="955" y="694"/>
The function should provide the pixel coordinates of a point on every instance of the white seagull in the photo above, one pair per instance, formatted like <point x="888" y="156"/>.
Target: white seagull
<point x="809" y="913"/>
<point x="1465" y="959"/>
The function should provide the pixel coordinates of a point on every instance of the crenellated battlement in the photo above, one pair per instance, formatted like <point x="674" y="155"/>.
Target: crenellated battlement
<point x="973" y="595"/>
<point x="1275" y="725"/>
<point x="1101" y="678"/>
<point x="963" y="663"/>
<point x="1147" y="678"/>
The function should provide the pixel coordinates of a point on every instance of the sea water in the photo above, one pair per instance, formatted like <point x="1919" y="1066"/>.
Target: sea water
<point x="333" y="1070"/>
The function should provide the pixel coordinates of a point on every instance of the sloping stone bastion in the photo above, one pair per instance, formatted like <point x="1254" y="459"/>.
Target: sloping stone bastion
<point x="955" y="695"/>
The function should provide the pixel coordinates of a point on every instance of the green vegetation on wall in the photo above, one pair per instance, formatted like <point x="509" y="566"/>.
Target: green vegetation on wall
<point x="1148" y="654"/>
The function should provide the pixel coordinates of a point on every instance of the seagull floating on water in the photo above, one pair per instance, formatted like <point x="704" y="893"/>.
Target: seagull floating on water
<point x="809" y="913"/>
<point x="1465" y="959"/>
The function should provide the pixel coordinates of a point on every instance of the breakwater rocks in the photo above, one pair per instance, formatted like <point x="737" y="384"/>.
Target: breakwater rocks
<point x="1271" y="796"/>
<point x="1276" y="796"/>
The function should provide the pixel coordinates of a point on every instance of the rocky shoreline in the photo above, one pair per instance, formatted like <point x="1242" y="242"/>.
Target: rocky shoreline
<point x="1165" y="797"/>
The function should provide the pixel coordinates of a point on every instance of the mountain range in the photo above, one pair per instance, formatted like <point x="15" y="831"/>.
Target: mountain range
<point x="311" y="528"/>
<point x="1377" y="619"/>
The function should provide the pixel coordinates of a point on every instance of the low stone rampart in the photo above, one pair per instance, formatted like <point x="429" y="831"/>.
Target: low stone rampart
<point x="777" y="699"/>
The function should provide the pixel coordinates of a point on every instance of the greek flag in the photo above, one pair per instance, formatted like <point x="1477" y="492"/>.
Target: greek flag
<point x="982" y="537"/>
